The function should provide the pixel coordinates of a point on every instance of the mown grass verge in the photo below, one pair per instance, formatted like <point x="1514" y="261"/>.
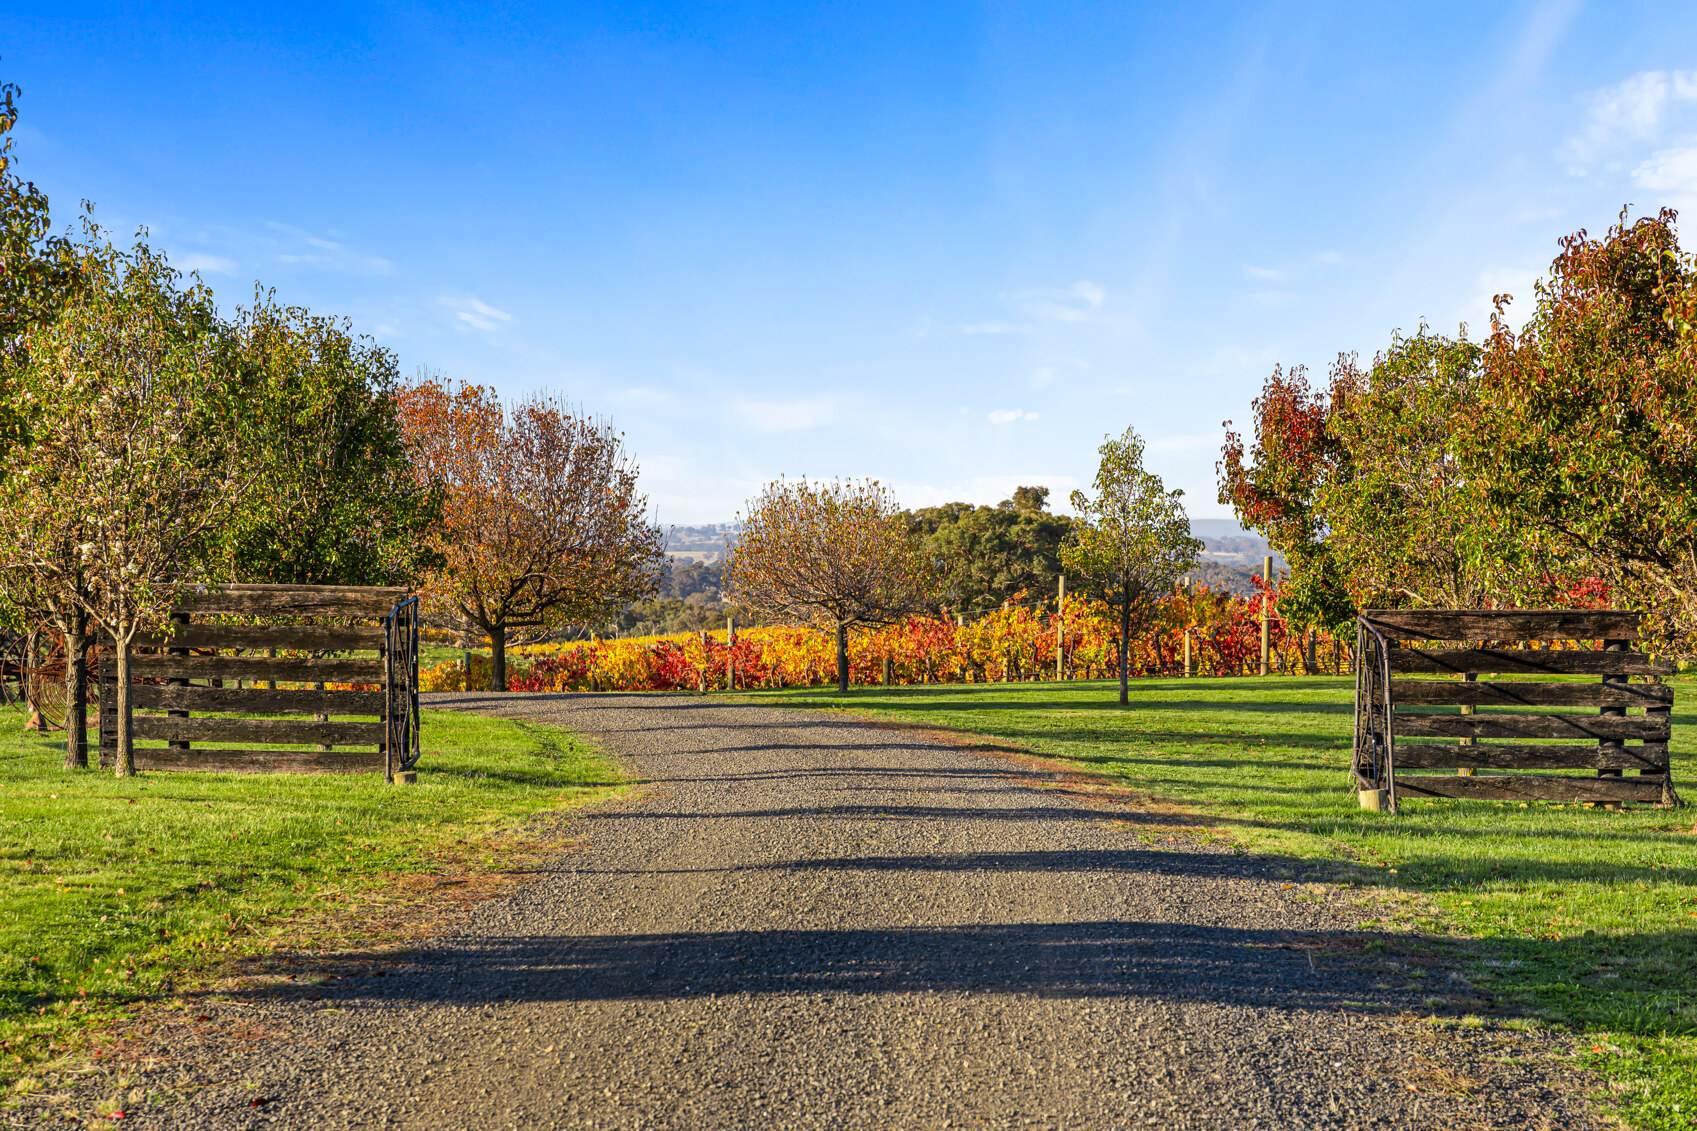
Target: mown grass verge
<point x="111" y="891"/>
<point x="1582" y="918"/>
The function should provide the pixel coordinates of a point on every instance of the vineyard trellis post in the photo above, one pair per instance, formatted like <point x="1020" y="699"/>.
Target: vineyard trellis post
<point x="1266" y="610"/>
<point x="1060" y="628"/>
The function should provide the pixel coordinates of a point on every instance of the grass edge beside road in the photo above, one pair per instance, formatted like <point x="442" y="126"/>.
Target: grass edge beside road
<point x="1579" y="918"/>
<point x="114" y="894"/>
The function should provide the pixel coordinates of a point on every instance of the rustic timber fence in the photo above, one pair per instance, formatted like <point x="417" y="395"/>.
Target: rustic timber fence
<point x="218" y="677"/>
<point x="1431" y="723"/>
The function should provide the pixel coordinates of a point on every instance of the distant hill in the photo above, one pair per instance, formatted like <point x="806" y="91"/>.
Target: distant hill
<point x="701" y="544"/>
<point x="1230" y="556"/>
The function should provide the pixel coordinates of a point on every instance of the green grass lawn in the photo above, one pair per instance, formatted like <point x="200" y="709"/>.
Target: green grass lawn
<point x="1583" y="918"/>
<point x="111" y="889"/>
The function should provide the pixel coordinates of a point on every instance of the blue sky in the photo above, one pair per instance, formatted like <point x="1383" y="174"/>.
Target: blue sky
<point x="948" y="246"/>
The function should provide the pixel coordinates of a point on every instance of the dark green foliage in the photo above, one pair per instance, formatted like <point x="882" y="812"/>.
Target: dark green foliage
<point x="330" y="494"/>
<point x="690" y="598"/>
<point x="985" y="556"/>
<point x="35" y="266"/>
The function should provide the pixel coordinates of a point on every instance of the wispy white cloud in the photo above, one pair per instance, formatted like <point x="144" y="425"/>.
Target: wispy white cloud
<point x="993" y="327"/>
<point x="305" y="249"/>
<point x="1538" y="214"/>
<point x="1077" y="302"/>
<point x="1279" y="276"/>
<point x="1069" y="304"/>
<point x="800" y="414"/>
<point x="473" y="312"/>
<point x="1183" y="442"/>
<point x="1240" y="361"/>
<point x="1634" y="111"/>
<point x="206" y="263"/>
<point x="1671" y="174"/>
<point x="1012" y="415"/>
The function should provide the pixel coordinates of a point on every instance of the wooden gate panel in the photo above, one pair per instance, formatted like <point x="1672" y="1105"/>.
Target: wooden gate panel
<point x="1527" y="756"/>
<point x="1532" y="787"/>
<point x="205" y="699"/>
<point x="1505" y="661"/>
<point x="1413" y="692"/>
<point x="1399" y="721"/>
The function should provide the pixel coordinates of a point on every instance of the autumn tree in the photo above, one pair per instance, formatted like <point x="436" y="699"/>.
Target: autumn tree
<point x="331" y="496"/>
<point x="1362" y="487"/>
<point x="111" y="499"/>
<point x="836" y="554"/>
<point x="1273" y="484"/>
<point x="1405" y="520"/>
<point x="542" y="526"/>
<point x="1133" y="541"/>
<point x="1584" y="431"/>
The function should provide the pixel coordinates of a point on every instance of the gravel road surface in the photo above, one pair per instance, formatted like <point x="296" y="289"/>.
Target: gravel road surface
<point x="801" y="921"/>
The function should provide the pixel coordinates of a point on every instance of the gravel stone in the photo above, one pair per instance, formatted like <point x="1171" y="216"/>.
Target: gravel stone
<point x="801" y="921"/>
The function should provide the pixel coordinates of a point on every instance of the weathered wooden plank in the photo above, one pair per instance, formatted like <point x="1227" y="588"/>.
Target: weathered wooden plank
<point x="1443" y="692"/>
<point x="288" y="668"/>
<point x="259" y="700"/>
<point x="1512" y="661"/>
<point x="1531" y="787"/>
<point x="214" y="760"/>
<point x="1504" y="624"/>
<point x="214" y="728"/>
<point x="295" y="600"/>
<point x="1530" y="756"/>
<point x="312" y="637"/>
<point x="1531" y="726"/>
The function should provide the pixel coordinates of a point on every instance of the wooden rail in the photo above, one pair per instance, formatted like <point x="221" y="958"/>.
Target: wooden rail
<point x="1403" y="723"/>
<point x="247" y="679"/>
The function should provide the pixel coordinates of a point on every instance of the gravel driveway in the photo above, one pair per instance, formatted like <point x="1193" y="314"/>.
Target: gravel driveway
<point x="806" y="922"/>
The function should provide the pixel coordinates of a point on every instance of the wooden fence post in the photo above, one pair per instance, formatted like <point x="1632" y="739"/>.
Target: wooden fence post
<point x="1468" y="709"/>
<point x="730" y="654"/>
<point x="1613" y="746"/>
<point x="178" y="621"/>
<point x="1060" y="629"/>
<point x="960" y="623"/>
<point x="1266" y="610"/>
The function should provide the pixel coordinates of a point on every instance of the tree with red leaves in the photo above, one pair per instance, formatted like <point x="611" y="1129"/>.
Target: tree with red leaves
<point x="1585" y="426"/>
<point x="542" y="524"/>
<point x="1273" y="485"/>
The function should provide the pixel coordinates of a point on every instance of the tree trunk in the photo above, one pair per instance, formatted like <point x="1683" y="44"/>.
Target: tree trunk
<point x="1125" y="652"/>
<point x="842" y="658"/>
<point x="498" y="658"/>
<point x="76" y="692"/>
<point x="126" y="761"/>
